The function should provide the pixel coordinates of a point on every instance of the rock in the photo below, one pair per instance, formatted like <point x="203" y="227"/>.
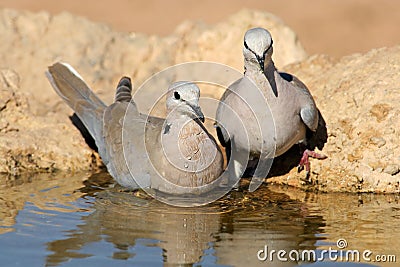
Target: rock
<point x="378" y="141"/>
<point x="358" y="97"/>
<point x="223" y="42"/>
<point x="102" y="55"/>
<point x="392" y="169"/>
<point x="35" y="132"/>
<point x="34" y="143"/>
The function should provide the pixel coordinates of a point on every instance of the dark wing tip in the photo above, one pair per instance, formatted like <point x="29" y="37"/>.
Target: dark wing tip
<point x="124" y="90"/>
<point x="125" y="81"/>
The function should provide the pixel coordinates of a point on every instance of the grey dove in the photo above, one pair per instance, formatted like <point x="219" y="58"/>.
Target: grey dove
<point x="289" y="107"/>
<point x="175" y="155"/>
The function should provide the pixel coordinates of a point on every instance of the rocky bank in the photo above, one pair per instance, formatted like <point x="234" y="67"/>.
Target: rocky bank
<point x="358" y="95"/>
<point x="359" y="98"/>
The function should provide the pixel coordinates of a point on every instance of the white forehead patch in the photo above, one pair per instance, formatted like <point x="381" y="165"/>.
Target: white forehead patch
<point x="258" y="40"/>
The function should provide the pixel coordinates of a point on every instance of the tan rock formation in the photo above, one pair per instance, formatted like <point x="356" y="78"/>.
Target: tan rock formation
<point x="358" y="95"/>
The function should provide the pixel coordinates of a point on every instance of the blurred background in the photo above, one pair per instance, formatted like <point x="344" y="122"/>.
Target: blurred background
<point x="334" y="27"/>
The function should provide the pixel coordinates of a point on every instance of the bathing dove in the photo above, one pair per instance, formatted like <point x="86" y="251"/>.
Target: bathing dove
<point x="175" y="155"/>
<point x="291" y="107"/>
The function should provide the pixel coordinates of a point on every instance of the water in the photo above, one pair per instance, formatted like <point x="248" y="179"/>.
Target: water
<point x="55" y="220"/>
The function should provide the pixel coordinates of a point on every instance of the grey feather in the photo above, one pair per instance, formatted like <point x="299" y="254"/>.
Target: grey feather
<point x="288" y="101"/>
<point x="136" y="148"/>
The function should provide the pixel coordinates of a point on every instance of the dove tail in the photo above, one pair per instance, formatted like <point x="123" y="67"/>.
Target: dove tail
<point x="70" y="86"/>
<point x="124" y="90"/>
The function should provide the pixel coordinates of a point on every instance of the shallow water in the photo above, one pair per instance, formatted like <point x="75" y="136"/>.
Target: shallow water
<point x="55" y="220"/>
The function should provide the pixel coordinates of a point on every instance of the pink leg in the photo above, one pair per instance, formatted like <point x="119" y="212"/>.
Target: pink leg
<point x="306" y="162"/>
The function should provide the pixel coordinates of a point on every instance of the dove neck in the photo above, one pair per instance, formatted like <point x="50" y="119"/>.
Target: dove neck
<point x="253" y="70"/>
<point x="270" y="73"/>
<point x="176" y="119"/>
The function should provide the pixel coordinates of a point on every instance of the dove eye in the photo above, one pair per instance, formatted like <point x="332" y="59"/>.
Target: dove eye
<point x="177" y="96"/>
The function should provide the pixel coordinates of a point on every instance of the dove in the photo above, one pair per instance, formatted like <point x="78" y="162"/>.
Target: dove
<point x="175" y="155"/>
<point x="274" y="123"/>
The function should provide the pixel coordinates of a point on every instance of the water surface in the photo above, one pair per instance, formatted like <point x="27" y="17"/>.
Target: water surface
<point x="79" y="220"/>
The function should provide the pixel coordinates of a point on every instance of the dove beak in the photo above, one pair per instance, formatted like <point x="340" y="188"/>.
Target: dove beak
<point x="199" y="114"/>
<point x="197" y="111"/>
<point x="261" y="61"/>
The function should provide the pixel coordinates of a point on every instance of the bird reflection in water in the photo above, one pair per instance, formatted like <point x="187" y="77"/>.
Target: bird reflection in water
<point x="233" y="228"/>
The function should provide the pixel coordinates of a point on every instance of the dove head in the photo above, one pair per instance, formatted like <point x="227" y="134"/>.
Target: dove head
<point x="183" y="99"/>
<point x="257" y="47"/>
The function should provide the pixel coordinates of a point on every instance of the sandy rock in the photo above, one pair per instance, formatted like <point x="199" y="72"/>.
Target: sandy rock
<point x="35" y="143"/>
<point x="223" y="42"/>
<point x="102" y="55"/>
<point x="38" y="39"/>
<point x="359" y="98"/>
<point x="357" y="95"/>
